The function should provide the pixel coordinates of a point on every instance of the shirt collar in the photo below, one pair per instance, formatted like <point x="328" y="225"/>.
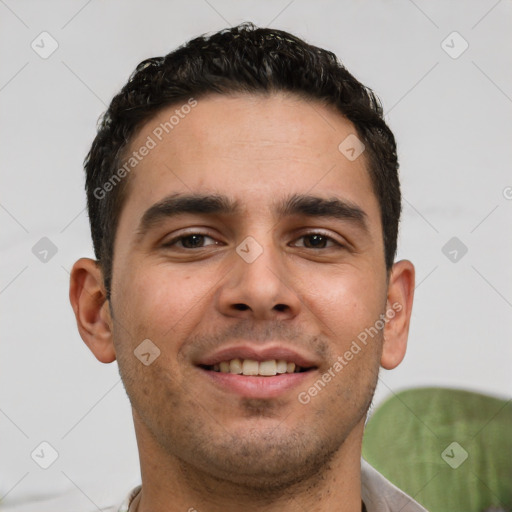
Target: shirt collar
<point x="378" y="494"/>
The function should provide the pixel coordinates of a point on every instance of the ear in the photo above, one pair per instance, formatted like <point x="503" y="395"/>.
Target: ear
<point x="398" y="314"/>
<point x="88" y="298"/>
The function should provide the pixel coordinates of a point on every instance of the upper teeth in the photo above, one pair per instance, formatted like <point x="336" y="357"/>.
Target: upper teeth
<point x="252" y="367"/>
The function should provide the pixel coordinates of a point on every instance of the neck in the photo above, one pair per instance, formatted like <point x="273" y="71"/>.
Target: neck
<point x="170" y="484"/>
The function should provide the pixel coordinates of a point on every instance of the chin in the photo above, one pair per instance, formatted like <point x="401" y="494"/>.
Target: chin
<point x="268" y="462"/>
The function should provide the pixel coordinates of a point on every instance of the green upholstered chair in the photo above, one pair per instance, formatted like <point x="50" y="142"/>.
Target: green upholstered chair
<point x="449" y="449"/>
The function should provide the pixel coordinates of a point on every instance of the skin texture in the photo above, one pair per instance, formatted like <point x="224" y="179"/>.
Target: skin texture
<point x="200" y="446"/>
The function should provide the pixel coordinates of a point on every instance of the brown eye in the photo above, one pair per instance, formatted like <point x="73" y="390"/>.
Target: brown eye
<point x="315" y="241"/>
<point x="318" y="241"/>
<point x="191" y="241"/>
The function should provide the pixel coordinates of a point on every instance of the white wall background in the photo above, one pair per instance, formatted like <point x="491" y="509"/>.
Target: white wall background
<point x="452" y="119"/>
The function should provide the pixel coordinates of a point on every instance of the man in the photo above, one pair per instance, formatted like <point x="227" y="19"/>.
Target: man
<point x="244" y="205"/>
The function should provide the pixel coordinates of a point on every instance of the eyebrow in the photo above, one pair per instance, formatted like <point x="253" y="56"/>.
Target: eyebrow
<point x="178" y="204"/>
<point x="214" y="204"/>
<point x="314" y="206"/>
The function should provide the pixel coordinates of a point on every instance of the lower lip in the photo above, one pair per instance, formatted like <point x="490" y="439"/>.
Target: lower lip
<point x="255" y="386"/>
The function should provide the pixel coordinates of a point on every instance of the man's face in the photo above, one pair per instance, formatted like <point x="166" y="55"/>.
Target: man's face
<point x="308" y="280"/>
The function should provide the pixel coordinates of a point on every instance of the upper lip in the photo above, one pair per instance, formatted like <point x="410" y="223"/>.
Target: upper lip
<point x="260" y="353"/>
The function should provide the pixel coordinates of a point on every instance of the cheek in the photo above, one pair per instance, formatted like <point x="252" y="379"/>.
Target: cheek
<point x="347" y="305"/>
<point x="161" y="303"/>
<point x="347" y="301"/>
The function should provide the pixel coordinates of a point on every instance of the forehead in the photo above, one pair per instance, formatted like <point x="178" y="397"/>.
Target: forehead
<point x="249" y="147"/>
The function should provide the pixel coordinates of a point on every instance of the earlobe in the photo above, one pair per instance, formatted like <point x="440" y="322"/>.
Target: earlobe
<point x="398" y="314"/>
<point x="88" y="300"/>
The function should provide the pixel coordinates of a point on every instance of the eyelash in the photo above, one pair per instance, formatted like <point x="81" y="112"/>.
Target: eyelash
<point x="173" y="241"/>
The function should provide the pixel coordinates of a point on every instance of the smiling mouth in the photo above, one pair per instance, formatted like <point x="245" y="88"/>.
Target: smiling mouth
<point x="251" y="367"/>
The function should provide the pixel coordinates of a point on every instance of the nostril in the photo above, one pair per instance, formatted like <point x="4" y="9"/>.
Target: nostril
<point x="241" y="307"/>
<point x="280" y="307"/>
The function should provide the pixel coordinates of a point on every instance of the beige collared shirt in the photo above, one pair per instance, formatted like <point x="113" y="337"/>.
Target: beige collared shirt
<point x="378" y="494"/>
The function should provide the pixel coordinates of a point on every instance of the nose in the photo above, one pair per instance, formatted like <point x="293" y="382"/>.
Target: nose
<point x="263" y="289"/>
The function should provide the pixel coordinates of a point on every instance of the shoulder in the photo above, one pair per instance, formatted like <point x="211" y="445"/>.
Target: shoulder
<point x="380" y="495"/>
